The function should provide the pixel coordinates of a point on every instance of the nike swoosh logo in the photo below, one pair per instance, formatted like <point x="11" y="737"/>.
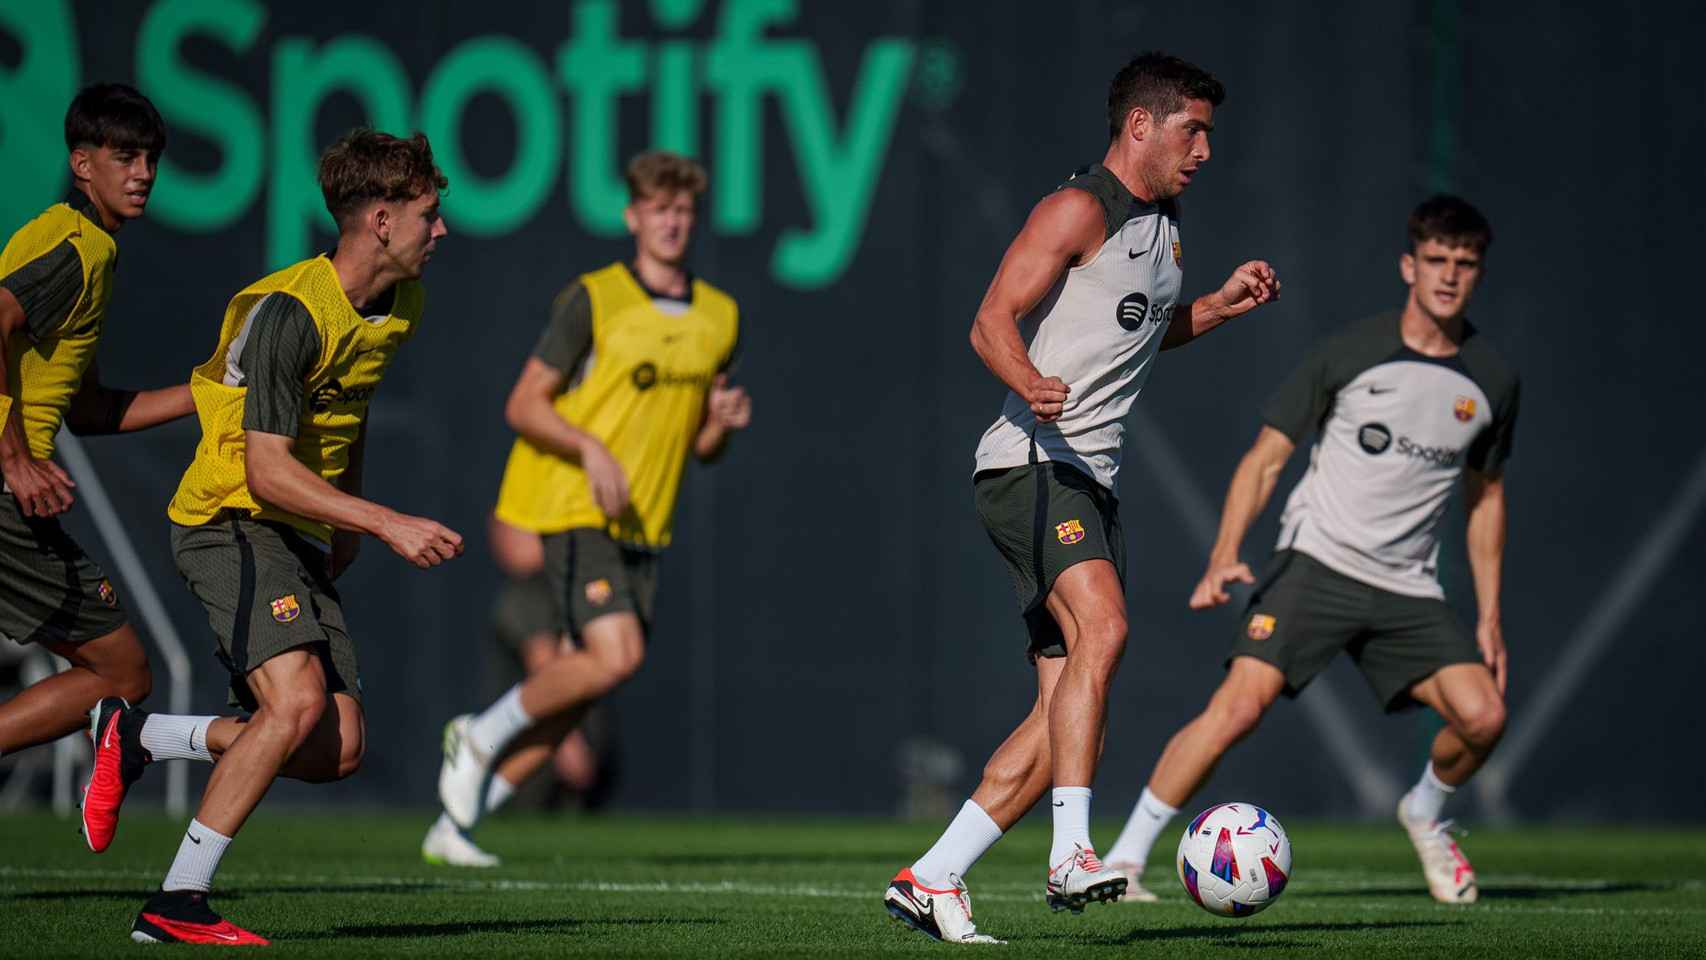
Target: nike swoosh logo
<point x="1133" y="255"/>
<point x="1379" y="390"/>
<point x="194" y="839"/>
<point x="1060" y="803"/>
<point x="112" y="731"/>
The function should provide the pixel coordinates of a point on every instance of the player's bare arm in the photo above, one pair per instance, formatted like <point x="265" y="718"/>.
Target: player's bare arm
<point x="276" y="476"/>
<point x="1064" y="229"/>
<point x="1252" y="485"/>
<point x="531" y="413"/>
<point x="98" y="409"/>
<point x="1251" y="285"/>
<point x="727" y="409"/>
<point x="42" y="488"/>
<point x="346" y="544"/>
<point x="1486" y="547"/>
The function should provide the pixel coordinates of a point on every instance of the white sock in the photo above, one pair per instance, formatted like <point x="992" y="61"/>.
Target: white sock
<point x="498" y="793"/>
<point x="1427" y="798"/>
<point x="169" y="737"/>
<point x="1071" y="823"/>
<point x="1145" y="824"/>
<point x="967" y="838"/>
<point x="198" y="858"/>
<point x="492" y="730"/>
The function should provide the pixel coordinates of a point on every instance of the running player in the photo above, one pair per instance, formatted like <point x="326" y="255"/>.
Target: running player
<point x="630" y="377"/>
<point x="276" y="480"/>
<point x="1084" y="298"/>
<point x="1403" y="405"/>
<point x="56" y="281"/>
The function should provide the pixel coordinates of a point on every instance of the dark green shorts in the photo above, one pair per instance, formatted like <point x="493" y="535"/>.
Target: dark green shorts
<point x="1302" y="614"/>
<point x="266" y="592"/>
<point x="525" y="608"/>
<point x="50" y="591"/>
<point x="593" y="575"/>
<point x="1044" y="518"/>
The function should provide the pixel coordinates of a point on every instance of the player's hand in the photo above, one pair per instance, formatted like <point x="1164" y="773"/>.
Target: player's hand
<point x="1250" y="286"/>
<point x="345" y="545"/>
<point x="1047" y="397"/>
<point x="728" y="407"/>
<point x="1211" y="589"/>
<point x="1490" y="637"/>
<point x="42" y="488"/>
<point x="424" y="543"/>
<point x="608" y="480"/>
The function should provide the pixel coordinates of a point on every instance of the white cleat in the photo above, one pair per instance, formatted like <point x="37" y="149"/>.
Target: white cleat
<point x="1081" y="880"/>
<point x="1450" y="877"/>
<point x="462" y="778"/>
<point x="943" y="914"/>
<point x="446" y="846"/>
<point x="1134" y="889"/>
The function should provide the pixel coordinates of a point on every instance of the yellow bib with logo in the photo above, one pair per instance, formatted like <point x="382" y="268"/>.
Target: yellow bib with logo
<point x="354" y="353"/>
<point x="642" y="394"/>
<point x="47" y="373"/>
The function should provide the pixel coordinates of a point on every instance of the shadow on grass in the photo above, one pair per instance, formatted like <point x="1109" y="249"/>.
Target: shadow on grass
<point x="226" y="896"/>
<point x="454" y="928"/>
<point x="886" y="859"/>
<point x="1228" y="935"/>
<point x="1498" y="892"/>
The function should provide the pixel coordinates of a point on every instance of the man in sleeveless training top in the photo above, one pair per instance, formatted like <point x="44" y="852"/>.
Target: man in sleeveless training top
<point x="1083" y="300"/>
<point x="1403" y="404"/>
<point x="271" y="511"/>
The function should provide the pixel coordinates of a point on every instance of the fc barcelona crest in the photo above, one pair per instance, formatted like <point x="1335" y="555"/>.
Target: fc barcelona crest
<point x="105" y="589"/>
<point x="1178" y="254"/>
<point x="1464" y="409"/>
<point x="599" y="592"/>
<point x="1069" y="532"/>
<point x="1261" y="626"/>
<point x="286" y="609"/>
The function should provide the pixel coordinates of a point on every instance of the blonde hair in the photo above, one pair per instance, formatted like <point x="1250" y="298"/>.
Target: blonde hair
<point x="661" y="171"/>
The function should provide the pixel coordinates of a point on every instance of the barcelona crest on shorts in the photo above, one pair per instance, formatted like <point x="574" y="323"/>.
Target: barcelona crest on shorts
<point x="286" y="609"/>
<point x="105" y="589"/>
<point x="1464" y="409"/>
<point x="1261" y="626"/>
<point x="1069" y="532"/>
<point x="599" y="592"/>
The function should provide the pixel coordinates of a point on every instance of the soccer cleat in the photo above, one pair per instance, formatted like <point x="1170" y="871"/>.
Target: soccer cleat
<point x="183" y="916"/>
<point x="462" y="778"/>
<point x="1134" y="889"/>
<point x="446" y="846"/>
<point x="116" y="729"/>
<point x="1450" y="877"/>
<point x="1082" y="879"/>
<point x="943" y="914"/>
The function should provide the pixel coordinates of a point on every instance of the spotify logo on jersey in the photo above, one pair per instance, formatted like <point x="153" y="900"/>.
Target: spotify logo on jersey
<point x="645" y="376"/>
<point x="1132" y="310"/>
<point x="1374" y="438"/>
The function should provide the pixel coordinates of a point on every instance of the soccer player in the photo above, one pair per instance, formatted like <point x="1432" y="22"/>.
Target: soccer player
<point x="1082" y="301"/>
<point x="56" y="281"/>
<point x="275" y="482"/>
<point x="630" y="376"/>
<point x="1404" y="405"/>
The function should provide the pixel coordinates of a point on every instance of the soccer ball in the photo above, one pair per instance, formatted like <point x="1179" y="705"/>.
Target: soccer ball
<point x="1234" y="859"/>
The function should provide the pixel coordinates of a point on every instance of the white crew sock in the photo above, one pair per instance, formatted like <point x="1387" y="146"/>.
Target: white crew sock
<point x="1427" y="798"/>
<point x="968" y="837"/>
<point x="169" y="737"/>
<point x="198" y="858"/>
<point x="498" y="793"/>
<point x="1147" y="820"/>
<point x="492" y="730"/>
<point x="1071" y="823"/>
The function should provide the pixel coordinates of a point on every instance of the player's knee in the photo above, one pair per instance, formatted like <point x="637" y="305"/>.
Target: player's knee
<point x="350" y="754"/>
<point x="616" y="666"/>
<point x="299" y="709"/>
<point x="1102" y="643"/>
<point x="1234" y="718"/>
<point x="135" y="684"/>
<point x="1482" y="724"/>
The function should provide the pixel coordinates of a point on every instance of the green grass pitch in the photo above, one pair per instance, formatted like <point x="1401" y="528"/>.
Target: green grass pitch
<point x="329" y="884"/>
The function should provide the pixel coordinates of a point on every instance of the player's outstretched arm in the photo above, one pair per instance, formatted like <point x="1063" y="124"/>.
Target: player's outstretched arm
<point x="531" y="412"/>
<point x="1064" y="229"/>
<point x="1252" y="485"/>
<point x="1251" y="285"/>
<point x="42" y="488"/>
<point x="727" y="409"/>
<point x="1486" y="546"/>
<point x="278" y="478"/>
<point x="97" y="409"/>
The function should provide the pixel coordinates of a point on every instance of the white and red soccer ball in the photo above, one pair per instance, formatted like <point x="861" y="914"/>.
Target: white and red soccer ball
<point x="1234" y="859"/>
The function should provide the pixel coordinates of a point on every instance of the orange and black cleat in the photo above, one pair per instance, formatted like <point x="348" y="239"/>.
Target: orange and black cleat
<point x="119" y="758"/>
<point x="183" y="916"/>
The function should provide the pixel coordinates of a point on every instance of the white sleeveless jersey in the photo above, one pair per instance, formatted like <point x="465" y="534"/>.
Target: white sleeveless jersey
<point x="1098" y="329"/>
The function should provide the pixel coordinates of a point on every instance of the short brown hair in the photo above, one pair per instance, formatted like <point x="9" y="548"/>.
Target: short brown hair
<point x="1159" y="84"/>
<point x="1452" y="221"/>
<point x="660" y="171"/>
<point x="365" y="166"/>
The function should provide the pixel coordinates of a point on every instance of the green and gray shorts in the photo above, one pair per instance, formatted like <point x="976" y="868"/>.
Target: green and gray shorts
<point x="267" y="591"/>
<point x="593" y="575"/>
<point x="1043" y="518"/>
<point x="50" y="591"/>
<point x="1302" y="614"/>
